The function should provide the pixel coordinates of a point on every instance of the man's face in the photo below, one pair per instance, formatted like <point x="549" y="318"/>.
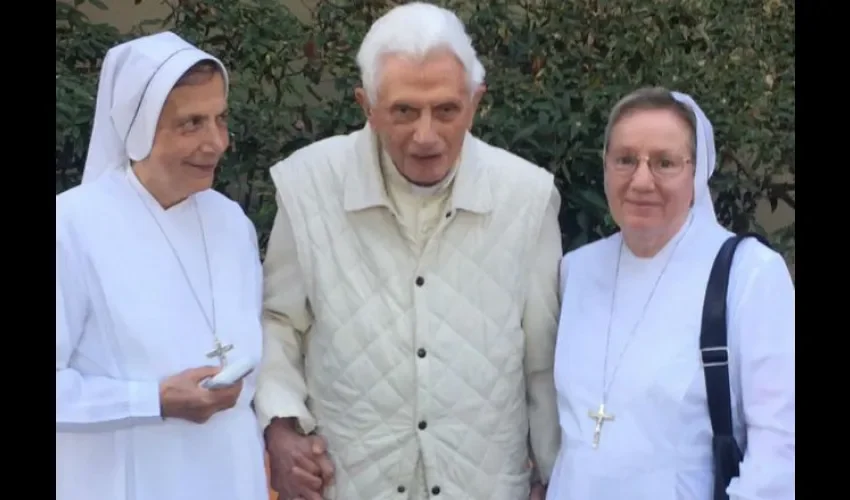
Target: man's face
<point x="190" y="139"/>
<point x="422" y="113"/>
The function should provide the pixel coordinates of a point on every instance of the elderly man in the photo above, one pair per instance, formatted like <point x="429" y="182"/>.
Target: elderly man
<point x="411" y="291"/>
<point x="157" y="276"/>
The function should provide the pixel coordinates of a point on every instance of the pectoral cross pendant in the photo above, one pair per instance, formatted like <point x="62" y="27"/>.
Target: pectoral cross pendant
<point x="600" y="416"/>
<point x="220" y="352"/>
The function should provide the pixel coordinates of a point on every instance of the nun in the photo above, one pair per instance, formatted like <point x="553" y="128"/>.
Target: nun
<point x="158" y="287"/>
<point x="629" y="374"/>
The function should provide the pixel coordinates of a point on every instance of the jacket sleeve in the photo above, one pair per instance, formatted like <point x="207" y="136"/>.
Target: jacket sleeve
<point x="281" y="388"/>
<point x="86" y="403"/>
<point x="540" y="324"/>
<point x="763" y="321"/>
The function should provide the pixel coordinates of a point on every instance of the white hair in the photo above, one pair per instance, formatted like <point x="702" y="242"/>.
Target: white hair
<point x="416" y="29"/>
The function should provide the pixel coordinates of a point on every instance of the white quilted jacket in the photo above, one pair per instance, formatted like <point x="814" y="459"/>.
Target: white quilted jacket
<point x="415" y="368"/>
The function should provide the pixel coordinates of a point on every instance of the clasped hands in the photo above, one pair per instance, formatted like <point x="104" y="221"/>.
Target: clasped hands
<point x="300" y="468"/>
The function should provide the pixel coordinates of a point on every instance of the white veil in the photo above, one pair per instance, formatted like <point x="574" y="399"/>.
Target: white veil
<point x="706" y="158"/>
<point x="135" y="80"/>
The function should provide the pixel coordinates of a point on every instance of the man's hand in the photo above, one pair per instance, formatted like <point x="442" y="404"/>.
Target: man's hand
<point x="299" y="465"/>
<point x="538" y="492"/>
<point x="181" y="396"/>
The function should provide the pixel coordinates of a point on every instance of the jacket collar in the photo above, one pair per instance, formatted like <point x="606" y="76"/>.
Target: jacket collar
<point x="365" y="187"/>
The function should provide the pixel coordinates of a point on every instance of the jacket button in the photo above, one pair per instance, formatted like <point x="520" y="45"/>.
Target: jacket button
<point x="435" y="490"/>
<point x="448" y="214"/>
<point x="421" y="352"/>
<point x="422" y="425"/>
<point x="420" y="281"/>
<point x="401" y="488"/>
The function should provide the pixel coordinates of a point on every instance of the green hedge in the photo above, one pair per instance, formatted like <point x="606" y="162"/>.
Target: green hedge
<point x="554" y="70"/>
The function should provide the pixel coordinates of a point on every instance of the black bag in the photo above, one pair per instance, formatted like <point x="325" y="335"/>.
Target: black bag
<point x="715" y="362"/>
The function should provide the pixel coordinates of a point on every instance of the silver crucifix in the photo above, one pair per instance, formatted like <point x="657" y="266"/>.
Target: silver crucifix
<point x="220" y="352"/>
<point x="600" y="416"/>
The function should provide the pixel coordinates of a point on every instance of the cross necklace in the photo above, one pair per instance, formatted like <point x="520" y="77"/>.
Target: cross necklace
<point x="600" y="415"/>
<point x="221" y="349"/>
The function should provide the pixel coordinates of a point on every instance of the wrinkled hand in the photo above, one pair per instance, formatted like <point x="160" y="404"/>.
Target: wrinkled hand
<point x="181" y="397"/>
<point x="538" y="492"/>
<point x="300" y="467"/>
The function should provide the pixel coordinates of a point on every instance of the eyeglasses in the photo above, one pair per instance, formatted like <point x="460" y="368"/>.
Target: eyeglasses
<point x="660" y="166"/>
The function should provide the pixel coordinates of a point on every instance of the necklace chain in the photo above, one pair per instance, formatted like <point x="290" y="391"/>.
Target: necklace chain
<point x="211" y="323"/>
<point x="606" y="384"/>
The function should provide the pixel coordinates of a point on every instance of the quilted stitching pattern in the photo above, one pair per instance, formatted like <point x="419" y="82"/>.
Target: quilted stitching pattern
<point x="368" y="388"/>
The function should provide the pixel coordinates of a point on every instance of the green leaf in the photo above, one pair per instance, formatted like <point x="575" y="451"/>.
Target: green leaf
<point x="554" y="70"/>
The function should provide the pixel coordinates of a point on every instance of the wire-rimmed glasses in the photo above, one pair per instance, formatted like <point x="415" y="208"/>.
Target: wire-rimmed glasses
<point x="661" y="166"/>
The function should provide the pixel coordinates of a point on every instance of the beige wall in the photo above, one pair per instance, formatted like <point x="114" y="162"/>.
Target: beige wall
<point x="124" y="14"/>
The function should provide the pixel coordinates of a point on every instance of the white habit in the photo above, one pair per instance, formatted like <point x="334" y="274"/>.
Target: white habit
<point x="658" y="447"/>
<point x="126" y="319"/>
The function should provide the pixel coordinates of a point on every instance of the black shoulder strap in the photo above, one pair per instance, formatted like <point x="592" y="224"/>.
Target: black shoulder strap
<point x="713" y="342"/>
